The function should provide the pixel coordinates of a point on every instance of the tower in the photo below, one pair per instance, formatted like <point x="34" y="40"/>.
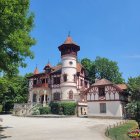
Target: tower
<point x="69" y="69"/>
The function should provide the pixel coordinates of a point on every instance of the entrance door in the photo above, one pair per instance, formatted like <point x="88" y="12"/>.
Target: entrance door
<point x="34" y="98"/>
<point x="42" y="99"/>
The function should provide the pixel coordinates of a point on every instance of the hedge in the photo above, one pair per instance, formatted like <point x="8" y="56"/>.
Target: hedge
<point x="66" y="108"/>
<point x="44" y="110"/>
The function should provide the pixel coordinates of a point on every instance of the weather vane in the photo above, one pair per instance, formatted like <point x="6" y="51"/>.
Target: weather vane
<point x="69" y="34"/>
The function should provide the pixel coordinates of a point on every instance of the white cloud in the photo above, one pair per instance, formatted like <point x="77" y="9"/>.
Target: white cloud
<point x="137" y="56"/>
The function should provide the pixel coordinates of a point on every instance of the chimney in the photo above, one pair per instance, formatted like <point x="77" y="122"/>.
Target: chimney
<point x="96" y="80"/>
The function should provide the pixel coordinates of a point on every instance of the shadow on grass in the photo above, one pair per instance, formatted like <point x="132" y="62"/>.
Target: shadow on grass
<point x="2" y="136"/>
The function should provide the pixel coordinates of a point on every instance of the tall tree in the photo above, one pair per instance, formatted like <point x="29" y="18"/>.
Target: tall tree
<point x="16" y="23"/>
<point x="90" y="67"/>
<point x="108" y="69"/>
<point x="13" y="90"/>
<point x="102" y="68"/>
<point x="133" y="107"/>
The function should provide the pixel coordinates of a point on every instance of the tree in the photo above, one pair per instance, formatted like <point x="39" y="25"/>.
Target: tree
<point x="133" y="107"/>
<point x="13" y="90"/>
<point x="108" y="69"/>
<point x="90" y="68"/>
<point x="102" y="68"/>
<point x="16" y="23"/>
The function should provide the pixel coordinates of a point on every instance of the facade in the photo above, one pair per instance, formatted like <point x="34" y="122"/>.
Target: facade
<point x="64" y="82"/>
<point x="106" y="99"/>
<point x="67" y="82"/>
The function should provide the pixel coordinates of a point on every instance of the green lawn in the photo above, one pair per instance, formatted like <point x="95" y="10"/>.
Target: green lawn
<point x="120" y="133"/>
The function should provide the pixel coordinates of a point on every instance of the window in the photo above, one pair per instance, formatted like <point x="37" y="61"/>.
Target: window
<point x="74" y="77"/>
<point x="56" y="80"/>
<point x="56" y="96"/>
<point x="101" y="91"/>
<point x="81" y="82"/>
<point x="65" y="77"/>
<point x="70" y="62"/>
<point x="46" y="80"/>
<point x="35" y="82"/>
<point x="102" y="107"/>
<point x="34" y="97"/>
<point x="48" y="70"/>
<point x="43" y="81"/>
<point x="86" y="84"/>
<point x="70" y="94"/>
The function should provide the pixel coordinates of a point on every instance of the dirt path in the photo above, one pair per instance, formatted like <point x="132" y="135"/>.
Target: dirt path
<point x="22" y="128"/>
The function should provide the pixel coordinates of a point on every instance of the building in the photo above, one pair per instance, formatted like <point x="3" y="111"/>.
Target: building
<point x="67" y="82"/>
<point x="64" y="82"/>
<point x="106" y="99"/>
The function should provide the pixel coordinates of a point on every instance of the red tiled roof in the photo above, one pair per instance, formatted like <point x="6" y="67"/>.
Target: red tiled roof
<point x="69" y="41"/>
<point x="56" y="68"/>
<point x="47" y="66"/>
<point x="102" y="82"/>
<point x="36" y="71"/>
<point x="122" y="86"/>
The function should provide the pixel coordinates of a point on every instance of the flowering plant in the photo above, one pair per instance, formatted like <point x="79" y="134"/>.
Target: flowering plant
<point x="134" y="133"/>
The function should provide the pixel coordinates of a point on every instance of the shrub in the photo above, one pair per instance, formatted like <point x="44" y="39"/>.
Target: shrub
<point x="36" y="111"/>
<point x="55" y="107"/>
<point x="44" y="110"/>
<point x="66" y="108"/>
<point x="1" y="108"/>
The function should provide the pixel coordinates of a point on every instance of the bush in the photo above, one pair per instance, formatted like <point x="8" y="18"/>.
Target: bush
<point x="55" y="107"/>
<point x="66" y="108"/>
<point x="36" y="110"/>
<point x="44" y="110"/>
<point x="1" y="108"/>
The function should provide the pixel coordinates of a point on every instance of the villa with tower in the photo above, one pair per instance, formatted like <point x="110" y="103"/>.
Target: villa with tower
<point x="68" y="82"/>
<point x="64" y="82"/>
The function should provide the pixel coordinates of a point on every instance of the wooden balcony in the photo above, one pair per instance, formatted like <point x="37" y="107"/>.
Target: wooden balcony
<point x="41" y="85"/>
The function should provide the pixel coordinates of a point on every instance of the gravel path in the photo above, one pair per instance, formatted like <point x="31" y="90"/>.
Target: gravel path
<point x="23" y="128"/>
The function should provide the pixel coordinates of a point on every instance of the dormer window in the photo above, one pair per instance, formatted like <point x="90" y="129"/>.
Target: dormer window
<point x="56" y="80"/>
<point x="101" y="91"/>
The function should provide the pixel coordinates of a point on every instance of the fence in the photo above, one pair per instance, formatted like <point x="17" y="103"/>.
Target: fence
<point x="116" y="137"/>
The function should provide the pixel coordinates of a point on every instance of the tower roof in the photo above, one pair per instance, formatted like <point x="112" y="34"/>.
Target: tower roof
<point x="69" y="40"/>
<point x="36" y="71"/>
<point x="65" y="47"/>
<point x="48" y="65"/>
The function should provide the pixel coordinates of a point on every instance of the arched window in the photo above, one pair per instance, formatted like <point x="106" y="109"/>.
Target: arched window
<point x="34" y="97"/>
<point x="71" y="94"/>
<point x="65" y="77"/>
<point x="56" y="96"/>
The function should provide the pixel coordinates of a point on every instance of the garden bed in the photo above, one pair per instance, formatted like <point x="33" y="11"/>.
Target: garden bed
<point x="121" y="132"/>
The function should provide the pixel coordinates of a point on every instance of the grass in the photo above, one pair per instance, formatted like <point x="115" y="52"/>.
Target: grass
<point x="120" y="132"/>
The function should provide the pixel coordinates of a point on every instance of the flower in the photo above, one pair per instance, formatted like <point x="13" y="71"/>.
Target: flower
<point x="134" y="133"/>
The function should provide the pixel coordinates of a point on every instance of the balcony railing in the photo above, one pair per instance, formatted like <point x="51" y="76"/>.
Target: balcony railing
<point x="41" y="85"/>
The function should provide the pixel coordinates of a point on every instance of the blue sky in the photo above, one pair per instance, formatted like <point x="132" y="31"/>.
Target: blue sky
<point x="106" y="28"/>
